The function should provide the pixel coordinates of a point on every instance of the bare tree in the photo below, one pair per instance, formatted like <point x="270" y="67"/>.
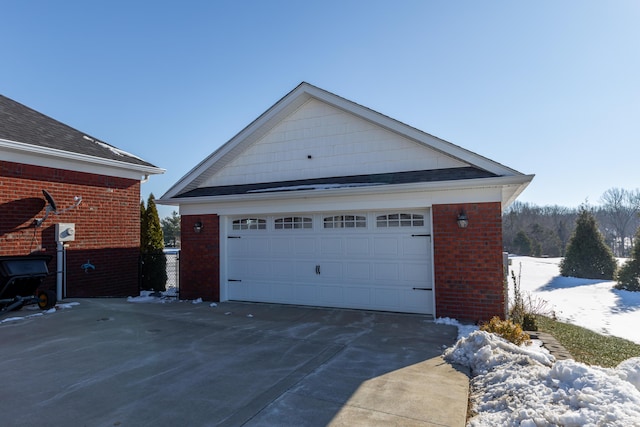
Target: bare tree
<point x="548" y="228"/>
<point x="619" y="209"/>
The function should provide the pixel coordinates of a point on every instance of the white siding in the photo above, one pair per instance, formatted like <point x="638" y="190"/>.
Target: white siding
<point x="339" y="144"/>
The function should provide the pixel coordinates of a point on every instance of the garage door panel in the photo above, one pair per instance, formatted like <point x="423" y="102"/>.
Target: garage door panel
<point x="358" y="271"/>
<point x="329" y="270"/>
<point x="331" y="246"/>
<point x="386" y="246"/>
<point x="358" y="246"/>
<point x="417" y="300"/>
<point x="239" y="290"/>
<point x="283" y="291"/>
<point x="280" y="269"/>
<point x="415" y="272"/>
<point x="251" y="246"/>
<point x="366" y="268"/>
<point x="303" y="270"/>
<point x="305" y="292"/>
<point x="259" y="269"/>
<point x="385" y="271"/>
<point x="415" y="247"/>
<point x="386" y="297"/>
<point x="261" y="290"/>
<point x="282" y="246"/>
<point x="330" y="295"/>
<point x="305" y="245"/>
<point x="357" y="297"/>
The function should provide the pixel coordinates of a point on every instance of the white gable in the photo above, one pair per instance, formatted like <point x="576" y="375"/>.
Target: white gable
<point x="339" y="143"/>
<point x="313" y="134"/>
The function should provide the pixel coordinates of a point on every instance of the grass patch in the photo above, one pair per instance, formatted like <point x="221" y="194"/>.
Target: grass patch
<point x="587" y="346"/>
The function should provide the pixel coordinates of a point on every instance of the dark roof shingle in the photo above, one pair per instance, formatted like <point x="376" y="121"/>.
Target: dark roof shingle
<point x="432" y="175"/>
<point x="19" y="123"/>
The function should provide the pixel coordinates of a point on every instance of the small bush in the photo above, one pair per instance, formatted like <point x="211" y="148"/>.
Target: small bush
<point x="524" y="308"/>
<point x="517" y="311"/>
<point x="628" y="276"/>
<point x="506" y="329"/>
<point x="529" y="322"/>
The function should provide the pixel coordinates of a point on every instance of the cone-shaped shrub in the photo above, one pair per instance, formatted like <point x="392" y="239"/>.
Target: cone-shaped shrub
<point x="588" y="256"/>
<point x="153" y="259"/>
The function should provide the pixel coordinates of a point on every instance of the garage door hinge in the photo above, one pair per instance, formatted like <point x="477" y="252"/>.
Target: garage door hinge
<point x="422" y="289"/>
<point x="234" y="237"/>
<point x="421" y="235"/>
<point x="234" y="280"/>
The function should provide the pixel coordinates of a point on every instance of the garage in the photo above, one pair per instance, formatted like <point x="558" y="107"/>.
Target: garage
<point x="364" y="260"/>
<point x="321" y="201"/>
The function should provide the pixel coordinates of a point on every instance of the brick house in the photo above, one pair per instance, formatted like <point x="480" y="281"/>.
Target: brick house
<point x="39" y="153"/>
<point x="321" y="201"/>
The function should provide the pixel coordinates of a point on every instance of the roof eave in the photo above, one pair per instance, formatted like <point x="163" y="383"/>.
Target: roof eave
<point x="511" y="186"/>
<point x="37" y="151"/>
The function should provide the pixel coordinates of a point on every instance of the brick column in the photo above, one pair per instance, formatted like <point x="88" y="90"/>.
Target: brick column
<point x="200" y="258"/>
<point x="468" y="265"/>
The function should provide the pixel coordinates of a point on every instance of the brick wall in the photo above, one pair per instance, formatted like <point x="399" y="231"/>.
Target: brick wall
<point x="200" y="258"/>
<point x="469" y="277"/>
<point x="107" y="225"/>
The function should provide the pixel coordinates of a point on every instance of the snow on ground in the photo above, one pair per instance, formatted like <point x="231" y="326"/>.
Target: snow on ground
<point x="463" y="329"/>
<point x="155" y="297"/>
<point x="59" y="306"/>
<point x="592" y="304"/>
<point x="526" y="386"/>
<point x="523" y="386"/>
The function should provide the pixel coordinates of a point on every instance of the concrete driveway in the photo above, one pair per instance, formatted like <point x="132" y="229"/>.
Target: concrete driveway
<point x="108" y="362"/>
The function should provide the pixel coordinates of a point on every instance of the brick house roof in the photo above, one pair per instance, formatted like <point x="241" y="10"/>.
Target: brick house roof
<point x="19" y="123"/>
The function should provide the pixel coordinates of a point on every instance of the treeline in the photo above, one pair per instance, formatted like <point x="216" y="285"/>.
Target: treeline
<point x="533" y="230"/>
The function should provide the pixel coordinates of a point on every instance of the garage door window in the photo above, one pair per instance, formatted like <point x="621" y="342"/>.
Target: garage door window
<point x="293" y="223"/>
<point x="345" y="221"/>
<point x="400" y="220"/>
<point x="249" y="224"/>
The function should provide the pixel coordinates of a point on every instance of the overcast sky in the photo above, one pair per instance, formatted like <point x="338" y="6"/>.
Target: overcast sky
<point x="550" y="88"/>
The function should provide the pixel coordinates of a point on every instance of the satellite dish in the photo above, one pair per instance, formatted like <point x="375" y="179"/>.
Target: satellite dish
<point x="51" y="207"/>
<point x="52" y="203"/>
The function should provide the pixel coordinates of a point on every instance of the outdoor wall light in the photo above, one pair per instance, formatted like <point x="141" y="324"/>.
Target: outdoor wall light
<point x="197" y="227"/>
<point x="463" y="220"/>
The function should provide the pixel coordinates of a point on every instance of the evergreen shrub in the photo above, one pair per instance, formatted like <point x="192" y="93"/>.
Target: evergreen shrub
<point x="587" y="255"/>
<point x="628" y="276"/>
<point x="152" y="258"/>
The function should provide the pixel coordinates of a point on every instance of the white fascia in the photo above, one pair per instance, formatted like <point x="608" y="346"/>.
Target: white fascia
<point x="59" y="159"/>
<point x="414" y="195"/>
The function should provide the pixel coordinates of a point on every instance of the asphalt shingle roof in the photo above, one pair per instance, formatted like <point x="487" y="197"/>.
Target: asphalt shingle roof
<point x="19" y="123"/>
<point x="432" y="175"/>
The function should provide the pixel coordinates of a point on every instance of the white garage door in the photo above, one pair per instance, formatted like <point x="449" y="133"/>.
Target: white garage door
<point x="370" y="260"/>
